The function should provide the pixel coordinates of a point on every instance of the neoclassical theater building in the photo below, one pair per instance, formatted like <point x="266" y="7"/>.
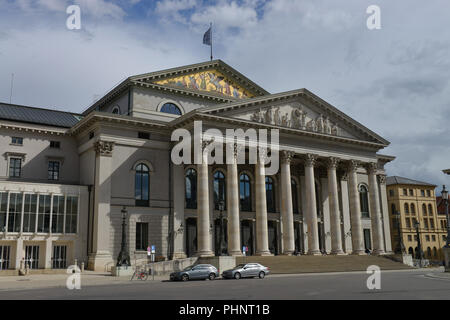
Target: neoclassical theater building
<point x="66" y="177"/>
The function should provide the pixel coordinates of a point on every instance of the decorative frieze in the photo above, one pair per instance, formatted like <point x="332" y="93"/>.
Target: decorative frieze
<point x="382" y="179"/>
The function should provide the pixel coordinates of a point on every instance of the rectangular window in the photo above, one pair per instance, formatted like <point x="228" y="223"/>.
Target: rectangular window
<point x="428" y="193"/>
<point x="3" y="210"/>
<point x="4" y="257"/>
<point x="433" y="237"/>
<point x="29" y="214"/>
<point x="422" y="193"/>
<point x="15" y="212"/>
<point x="44" y="214"/>
<point x="411" y="192"/>
<point x="15" y="167"/>
<point x="59" y="259"/>
<point x="409" y="237"/>
<point x="405" y="192"/>
<point x="425" y="222"/>
<point x="427" y="238"/>
<point x="391" y="193"/>
<point x="55" y="144"/>
<point x="141" y="236"/>
<point x="431" y="223"/>
<point x="53" y="170"/>
<point x="408" y="223"/>
<point x="71" y="214"/>
<point x="58" y="214"/>
<point x="17" y="141"/>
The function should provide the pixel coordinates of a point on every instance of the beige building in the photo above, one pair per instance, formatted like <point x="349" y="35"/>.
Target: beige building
<point x="66" y="177"/>
<point x="416" y="203"/>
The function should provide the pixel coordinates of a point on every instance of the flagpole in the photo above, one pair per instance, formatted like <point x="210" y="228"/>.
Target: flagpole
<point x="210" y="25"/>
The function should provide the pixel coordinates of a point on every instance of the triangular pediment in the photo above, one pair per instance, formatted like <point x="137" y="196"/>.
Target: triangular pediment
<point x="214" y="77"/>
<point x="299" y="110"/>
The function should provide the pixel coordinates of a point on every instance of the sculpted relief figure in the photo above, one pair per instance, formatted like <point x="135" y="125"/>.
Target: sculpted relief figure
<point x="257" y="116"/>
<point x="285" y="122"/>
<point x="327" y="126"/>
<point x="268" y="116"/>
<point x="320" y="124"/>
<point x="311" y="125"/>
<point x="277" y="116"/>
<point x="298" y="118"/>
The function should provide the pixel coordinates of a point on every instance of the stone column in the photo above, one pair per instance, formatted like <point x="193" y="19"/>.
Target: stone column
<point x="335" y="221"/>
<point x="311" y="208"/>
<point x="377" y="231"/>
<point x="234" y="228"/>
<point x="346" y="213"/>
<point x="178" y="212"/>
<point x="355" y="209"/>
<point x="19" y="253"/>
<point x="48" y="253"/>
<point x="385" y="212"/>
<point x="101" y="255"/>
<point x="203" y="218"/>
<point x="286" y="204"/>
<point x="262" y="238"/>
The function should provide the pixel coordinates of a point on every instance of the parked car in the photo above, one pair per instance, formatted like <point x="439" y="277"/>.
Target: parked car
<point x="248" y="270"/>
<point x="196" y="272"/>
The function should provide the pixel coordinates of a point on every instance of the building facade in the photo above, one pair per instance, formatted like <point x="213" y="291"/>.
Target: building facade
<point x="328" y="195"/>
<point x="415" y="201"/>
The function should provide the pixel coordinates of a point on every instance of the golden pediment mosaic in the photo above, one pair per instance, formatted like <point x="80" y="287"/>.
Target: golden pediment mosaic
<point x="210" y="81"/>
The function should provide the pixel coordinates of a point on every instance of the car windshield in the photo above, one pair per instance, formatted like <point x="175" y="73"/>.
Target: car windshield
<point x="188" y="268"/>
<point x="239" y="266"/>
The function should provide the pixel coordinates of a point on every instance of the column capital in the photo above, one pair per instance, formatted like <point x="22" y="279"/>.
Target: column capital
<point x="371" y="167"/>
<point x="104" y="148"/>
<point x="262" y="155"/>
<point x="382" y="178"/>
<point x="353" y="165"/>
<point x="286" y="156"/>
<point x="332" y="162"/>
<point x="206" y="143"/>
<point x="310" y="160"/>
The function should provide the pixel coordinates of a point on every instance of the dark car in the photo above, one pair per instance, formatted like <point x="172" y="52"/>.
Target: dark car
<point x="248" y="270"/>
<point x="196" y="272"/>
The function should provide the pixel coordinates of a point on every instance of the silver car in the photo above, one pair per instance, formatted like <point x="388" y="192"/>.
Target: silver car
<point x="248" y="270"/>
<point x="196" y="272"/>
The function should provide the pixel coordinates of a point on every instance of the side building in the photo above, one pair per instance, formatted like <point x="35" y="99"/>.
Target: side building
<point x="414" y="202"/>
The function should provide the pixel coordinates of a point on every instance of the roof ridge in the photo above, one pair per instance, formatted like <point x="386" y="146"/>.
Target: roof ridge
<point x="39" y="108"/>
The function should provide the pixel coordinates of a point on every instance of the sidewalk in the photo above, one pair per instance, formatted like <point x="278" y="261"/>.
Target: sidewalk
<point x="88" y="278"/>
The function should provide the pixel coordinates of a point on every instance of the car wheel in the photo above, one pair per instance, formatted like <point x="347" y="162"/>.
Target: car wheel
<point x="185" y="277"/>
<point x="262" y="275"/>
<point x="237" y="275"/>
<point x="212" y="276"/>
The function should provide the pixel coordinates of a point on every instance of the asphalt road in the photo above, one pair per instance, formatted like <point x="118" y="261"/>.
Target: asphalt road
<point x="394" y="285"/>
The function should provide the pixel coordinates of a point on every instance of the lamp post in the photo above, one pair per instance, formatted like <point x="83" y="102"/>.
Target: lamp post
<point x="123" y="260"/>
<point x="398" y="217"/>
<point x="222" y="246"/>
<point x="419" y="244"/>
<point x="446" y="249"/>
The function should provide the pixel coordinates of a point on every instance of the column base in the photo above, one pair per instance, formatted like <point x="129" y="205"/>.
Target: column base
<point x="205" y="254"/>
<point x="338" y="253"/>
<point x="263" y="254"/>
<point x="179" y="255"/>
<point x="288" y="253"/>
<point x="359" y="253"/>
<point x="100" y="262"/>
<point x="314" y="253"/>
<point x="378" y="252"/>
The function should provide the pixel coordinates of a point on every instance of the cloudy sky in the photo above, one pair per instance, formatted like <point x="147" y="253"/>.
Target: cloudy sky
<point x="394" y="80"/>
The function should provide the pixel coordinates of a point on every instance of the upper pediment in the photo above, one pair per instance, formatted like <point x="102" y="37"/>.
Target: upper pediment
<point x="300" y="110"/>
<point x="214" y="77"/>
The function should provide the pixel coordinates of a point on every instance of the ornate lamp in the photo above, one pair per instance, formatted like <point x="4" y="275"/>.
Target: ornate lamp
<point x="222" y="245"/>
<point x="123" y="260"/>
<point x="444" y="194"/>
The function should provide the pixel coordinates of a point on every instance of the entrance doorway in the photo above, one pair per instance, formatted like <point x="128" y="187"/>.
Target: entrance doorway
<point x="247" y="236"/>
<point x="298" y="236"/>
<point x="191" y="237"/>
<point x="273" y="237"/>
<point x="217" y="236"/>
<point x="32" y="256"/>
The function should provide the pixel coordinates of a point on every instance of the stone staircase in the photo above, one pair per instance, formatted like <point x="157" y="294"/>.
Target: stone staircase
<point x="321" y="264"/>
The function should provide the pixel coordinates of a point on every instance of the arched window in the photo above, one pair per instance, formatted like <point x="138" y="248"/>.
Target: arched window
<point x="435" y="254"/>
<point x="411" y="251"/>
<point x="393" y="209"/>
<point x="413" y="208"/>
<point x="171" y="108"/>
<point x="429" y="253"/>
<point x="364" y="201"/>
<point x="406" y="208"/>
<point x="116" y="110"/>
<point x="430" y="209"/>
<point x="219" y="189"/>
<point x="191" y="189"/>
<point x="424" y="209"/>
<point x="245" y="193"/>
<point x="142" y="185"/>
<point x="270" y="194"/>
<point x="294" y="190"/>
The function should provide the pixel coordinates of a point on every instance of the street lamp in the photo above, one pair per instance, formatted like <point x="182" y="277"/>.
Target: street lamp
<point x="419" y="244"/>
<point x="444" y="194"/>
<point x="123" y="260"/>
<point x="398" y="217"/>
<point x="222" y="246"/>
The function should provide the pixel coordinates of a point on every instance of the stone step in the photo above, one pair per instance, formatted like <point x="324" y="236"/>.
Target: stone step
<point x="320" y="264"/>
